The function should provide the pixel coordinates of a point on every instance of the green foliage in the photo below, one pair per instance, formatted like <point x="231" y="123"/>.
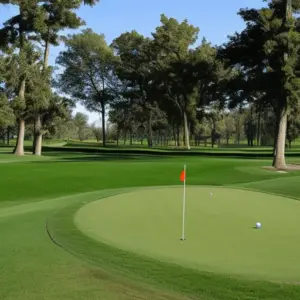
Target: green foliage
<point x="87" y="64"/>
<point x="139" y="86"/>
<point x="293" y="128"/>
<point x="260" y="49"/>
<point x="88" y="74"/>
<point x="7" y="117"/>
<point x="58" y="114"/>
<point x="80" y="121"/>
<point x="37" y="20"/>
<point x="267" y="51"/>
<point x="172" y="41"/>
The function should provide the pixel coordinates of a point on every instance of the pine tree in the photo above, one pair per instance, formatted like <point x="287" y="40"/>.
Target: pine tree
<point x="51" y="17"/>
<point x="14" y="35"/>
<point x="268" y="50"/>
<point x="37" y="20"/>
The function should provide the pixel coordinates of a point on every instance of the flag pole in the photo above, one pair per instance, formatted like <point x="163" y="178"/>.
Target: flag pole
<point x="183" y="207"/>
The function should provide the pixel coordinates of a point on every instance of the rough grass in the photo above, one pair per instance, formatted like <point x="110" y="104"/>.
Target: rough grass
<point x="53" y="187"/>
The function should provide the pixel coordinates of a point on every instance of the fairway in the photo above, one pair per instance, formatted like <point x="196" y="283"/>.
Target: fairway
<point x="77" y="226"/>
<point x="220" y="233"/>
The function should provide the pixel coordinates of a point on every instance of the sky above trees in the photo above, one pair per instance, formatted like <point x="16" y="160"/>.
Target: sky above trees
<point x="216" y="19"/>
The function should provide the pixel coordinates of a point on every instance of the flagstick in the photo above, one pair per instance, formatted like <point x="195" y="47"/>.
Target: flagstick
<point x="183" y="206"/>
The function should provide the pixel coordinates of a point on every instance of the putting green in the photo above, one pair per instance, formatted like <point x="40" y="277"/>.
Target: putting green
<point x="220" y="233"/>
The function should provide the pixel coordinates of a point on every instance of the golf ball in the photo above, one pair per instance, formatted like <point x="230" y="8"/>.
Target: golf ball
<point x="258" y="225"/>
<point x="210" y="194"/>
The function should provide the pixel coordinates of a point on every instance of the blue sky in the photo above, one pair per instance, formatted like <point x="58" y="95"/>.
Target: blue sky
<point x="215" y="18"/>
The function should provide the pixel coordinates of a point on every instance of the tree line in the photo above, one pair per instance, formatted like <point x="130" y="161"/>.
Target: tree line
<point x="162" y="87"/>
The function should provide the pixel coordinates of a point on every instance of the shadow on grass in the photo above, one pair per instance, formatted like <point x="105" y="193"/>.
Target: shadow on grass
<point x="295" y="150"/>
<point x="121" y="158"/>
<point x="114" y="157"/>
<point x="5" y="152"/>
<point x="61" y="157"/>
<point x="68" y="154"/>
<point x="158" y="152"/>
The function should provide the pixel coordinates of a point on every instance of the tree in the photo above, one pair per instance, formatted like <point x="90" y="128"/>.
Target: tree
<point x="135" y="71"/>
<point x="250" y="126"/>
<point x="50" y="18"/>
<point x="124" y="114"/>
<point x="38" y="99"/>
<point x="80" y="121"/>
<point x="293" y="129"/>
<point x="97" y="132"/>
<point x="227" y="127"/>
<point x="59" y="113"/>
<point x="14" y="35"/>
<point x="6" y="112"/>
<point x="36" y="20"/>
<point x="172" y="41"/>
<point x="88" y="74"/>
<point x="7" y="117"/>
<point x="63" y="128"/>
<point x="268" y="51"/>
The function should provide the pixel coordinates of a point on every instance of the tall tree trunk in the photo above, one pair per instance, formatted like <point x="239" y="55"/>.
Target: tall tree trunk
<point x="258" y="129"/>
<point x="103" y="125"/>
<point x="186" y="130"/>
<point x="279" y="159"/>
<point x="46" y="52"/>
<point x="38" y="137"/>
<point x="19" y="149"/>
<point x="275" y="137"/>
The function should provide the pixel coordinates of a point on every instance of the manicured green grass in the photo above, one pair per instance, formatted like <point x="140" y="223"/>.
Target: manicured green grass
<point x="51" y="189"/>
<point x="220" y="229"/>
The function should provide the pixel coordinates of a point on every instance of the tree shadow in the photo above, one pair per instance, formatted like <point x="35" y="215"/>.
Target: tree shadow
<point x="103" y="158"/>
<point x="5" y="152"/>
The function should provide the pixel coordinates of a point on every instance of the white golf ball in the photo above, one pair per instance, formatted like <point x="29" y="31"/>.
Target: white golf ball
<point x="210" y="194"/>
<point x="258" y="225"/>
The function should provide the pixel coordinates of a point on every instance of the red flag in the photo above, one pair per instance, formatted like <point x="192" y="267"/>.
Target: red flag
<point x="182" y="176"/>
